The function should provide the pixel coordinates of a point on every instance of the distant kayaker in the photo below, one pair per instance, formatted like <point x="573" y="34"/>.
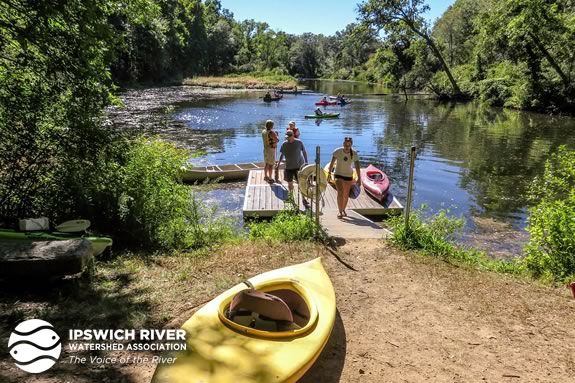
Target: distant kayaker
<point x="344" y="159"/>
<point x="270" y="140"/>
<point x="295" y="155"/>
<point x="318" y="111"/>
<point x="293" y="128"/>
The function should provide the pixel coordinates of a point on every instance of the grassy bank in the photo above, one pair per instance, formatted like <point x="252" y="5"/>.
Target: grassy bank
<point x="255" y="80"/>
<point x="435" y="237"/>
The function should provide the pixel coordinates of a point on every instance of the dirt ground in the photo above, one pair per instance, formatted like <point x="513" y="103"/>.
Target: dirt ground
<point x="401" y="317"/>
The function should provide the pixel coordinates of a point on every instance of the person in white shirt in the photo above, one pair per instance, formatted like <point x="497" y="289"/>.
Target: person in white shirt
<point x="345" y="159"/>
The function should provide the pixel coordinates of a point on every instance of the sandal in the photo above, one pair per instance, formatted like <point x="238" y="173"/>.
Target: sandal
<point x="339" y="215"/>
<point x="344" y="213"/>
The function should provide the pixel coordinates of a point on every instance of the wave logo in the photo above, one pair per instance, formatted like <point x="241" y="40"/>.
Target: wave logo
<point x="35" y="346"/>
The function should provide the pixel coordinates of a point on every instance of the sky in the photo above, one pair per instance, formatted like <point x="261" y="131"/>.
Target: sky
<point x="319" y="16"/>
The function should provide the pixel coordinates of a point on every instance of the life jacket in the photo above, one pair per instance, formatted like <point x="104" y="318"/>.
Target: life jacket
<point x="273" y="139"/>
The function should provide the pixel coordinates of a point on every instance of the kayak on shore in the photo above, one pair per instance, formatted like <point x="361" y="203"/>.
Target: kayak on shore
<point x="273" y="327"/>
<point x="99" y="244"/>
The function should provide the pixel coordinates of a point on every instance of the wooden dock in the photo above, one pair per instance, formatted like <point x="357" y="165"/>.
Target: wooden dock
<point x="264" y="200"/>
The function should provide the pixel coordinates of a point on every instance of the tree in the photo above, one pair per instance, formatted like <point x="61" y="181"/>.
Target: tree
<point x="305" y="56"/>
<point x="396" y="16"/>
<point x="530" y="28"/>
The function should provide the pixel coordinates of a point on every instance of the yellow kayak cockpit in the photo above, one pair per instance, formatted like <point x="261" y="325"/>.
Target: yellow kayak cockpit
<point x="271" y="332"/>
<point x="278" y="309"/>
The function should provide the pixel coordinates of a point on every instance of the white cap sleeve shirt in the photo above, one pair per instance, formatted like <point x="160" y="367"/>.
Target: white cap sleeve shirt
<point x="345" y="164"/>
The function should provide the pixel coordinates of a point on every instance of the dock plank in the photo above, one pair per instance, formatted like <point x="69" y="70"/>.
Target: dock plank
<point x="265" y="200"/>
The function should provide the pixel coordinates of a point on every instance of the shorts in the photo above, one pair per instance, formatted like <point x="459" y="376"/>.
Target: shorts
<point x="343" y="178"/>
<point x="290" y="174"/>
<point x="270" y="156"/>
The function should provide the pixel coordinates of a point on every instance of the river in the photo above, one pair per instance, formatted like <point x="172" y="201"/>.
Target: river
<point x="475" y="161"/>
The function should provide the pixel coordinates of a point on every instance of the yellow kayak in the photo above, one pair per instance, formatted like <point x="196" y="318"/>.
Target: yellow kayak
<point x="332" y="178"/>
<point x="222" y="347"/>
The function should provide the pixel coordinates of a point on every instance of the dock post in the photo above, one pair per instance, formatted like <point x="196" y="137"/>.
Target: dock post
<point x="317" y="186"/>
<point x="410" y="185"/>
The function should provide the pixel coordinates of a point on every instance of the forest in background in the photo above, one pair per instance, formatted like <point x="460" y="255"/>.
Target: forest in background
<point x="513" y="53"/>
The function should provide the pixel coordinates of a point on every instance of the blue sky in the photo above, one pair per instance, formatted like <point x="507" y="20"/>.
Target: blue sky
<point x="299" y="16"/>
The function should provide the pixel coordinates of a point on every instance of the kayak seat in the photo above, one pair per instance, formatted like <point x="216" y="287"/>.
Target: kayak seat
<point x="264" y="304"/>
<point x="297" y="305"/>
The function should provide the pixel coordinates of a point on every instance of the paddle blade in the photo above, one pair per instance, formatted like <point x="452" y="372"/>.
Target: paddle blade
<point x="73" y="226"/>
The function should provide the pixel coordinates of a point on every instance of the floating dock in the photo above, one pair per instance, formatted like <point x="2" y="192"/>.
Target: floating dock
<point x="264" y="200"/>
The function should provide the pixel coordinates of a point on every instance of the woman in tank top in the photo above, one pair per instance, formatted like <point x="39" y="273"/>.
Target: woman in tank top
<point x="346" y="161"/>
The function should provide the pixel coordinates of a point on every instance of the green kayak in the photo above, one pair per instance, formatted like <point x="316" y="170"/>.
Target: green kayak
<point x="99" y="244"/>
<point x="325" y="115"/>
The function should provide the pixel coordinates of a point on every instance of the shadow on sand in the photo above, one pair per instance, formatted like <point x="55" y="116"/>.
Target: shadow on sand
<point x="329" y="366"/>
<point x="110" y="301"/>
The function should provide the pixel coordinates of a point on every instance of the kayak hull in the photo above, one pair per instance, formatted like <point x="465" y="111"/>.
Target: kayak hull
<point x="230" y="172"/>
<point x="99" y="244"/>
<point x="326" y="103"/>
<point x="375" y="183"/>
<point x="217" y="352"/>
<point x="325" y="115"/>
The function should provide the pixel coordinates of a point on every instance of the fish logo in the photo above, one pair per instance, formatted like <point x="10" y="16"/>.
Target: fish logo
<point x="34" y="345"/>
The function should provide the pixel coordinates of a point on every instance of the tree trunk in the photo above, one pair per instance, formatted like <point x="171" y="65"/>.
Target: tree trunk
<point x="550" y="59"/>
<point x="437" y="53"/>
<point x="435" y="50"/>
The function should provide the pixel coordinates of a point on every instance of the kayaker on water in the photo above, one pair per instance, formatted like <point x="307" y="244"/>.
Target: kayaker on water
<point x="318" y="111"/>
<point x="344" y="158"/>
<point x="270" y="140"/>
<point x="296" y="156"/>
<point x="293" y="128"/>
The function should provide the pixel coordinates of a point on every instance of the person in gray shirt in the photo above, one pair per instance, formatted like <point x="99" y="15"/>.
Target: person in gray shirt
<point x="295" y="156"/>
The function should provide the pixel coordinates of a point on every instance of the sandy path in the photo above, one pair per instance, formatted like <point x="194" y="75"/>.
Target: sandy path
<point x="408" y="319"/>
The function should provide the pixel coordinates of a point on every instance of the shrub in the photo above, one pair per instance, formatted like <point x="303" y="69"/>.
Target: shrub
<point x="494" y="91"/>
<point x="155" y="209"/>
<point x="289" y="225"/>
<point x="550" y="253"/>
<point x="435" y="237"/>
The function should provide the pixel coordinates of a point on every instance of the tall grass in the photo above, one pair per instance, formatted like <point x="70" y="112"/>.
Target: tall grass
<point x="436" y="236"/>
<point x="252" y="80"/>
<point x="289" y="225"/>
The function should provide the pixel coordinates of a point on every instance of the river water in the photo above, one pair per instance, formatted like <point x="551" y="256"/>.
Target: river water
<point x="476" y="161"/>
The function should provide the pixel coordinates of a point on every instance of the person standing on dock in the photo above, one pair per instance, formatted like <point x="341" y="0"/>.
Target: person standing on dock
<point x="293" y="128"/>
<point x="270" y="140"/>
<point x="344" y="158"/>
<point x="296" y="156"/>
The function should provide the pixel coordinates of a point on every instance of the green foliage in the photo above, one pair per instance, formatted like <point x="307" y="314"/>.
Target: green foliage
<point x="54" y="84"/>
<point x="495" y="91"/>
<point x="154" y="209"/>
<point x="288" y="225"/>
<point x="434" y="237"/>
<point x="551" y="249"/>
